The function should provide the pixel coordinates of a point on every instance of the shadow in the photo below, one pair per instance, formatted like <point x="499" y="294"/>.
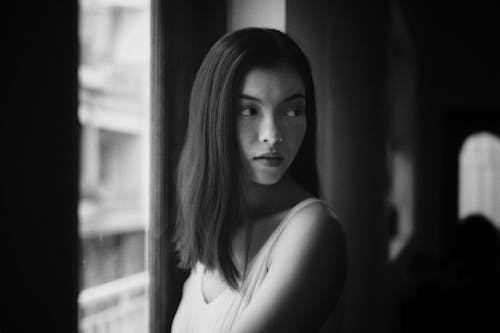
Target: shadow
<point x="460" y="293"/>
<point x="470" y="287"/>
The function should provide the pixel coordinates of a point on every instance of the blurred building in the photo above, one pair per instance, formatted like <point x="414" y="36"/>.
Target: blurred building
<point x="114" y="183"/>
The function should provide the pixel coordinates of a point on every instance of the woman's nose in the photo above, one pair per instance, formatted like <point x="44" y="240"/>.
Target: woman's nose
<point x="270" y="131"/>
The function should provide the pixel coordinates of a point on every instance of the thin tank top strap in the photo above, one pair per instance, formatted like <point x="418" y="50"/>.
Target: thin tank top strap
<point x="289" y="215"/>
<point x="260" y="260"/>
<point x="286" y="220"/>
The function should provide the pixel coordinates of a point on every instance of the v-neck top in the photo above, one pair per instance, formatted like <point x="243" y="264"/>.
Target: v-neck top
<point x="196" y="315"/>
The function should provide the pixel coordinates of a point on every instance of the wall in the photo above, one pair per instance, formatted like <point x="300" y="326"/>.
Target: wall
<point x="40" y="157"/>
<point x="456" y="84"/>
<point x="458" y="72"/>
<point x="256" y="13"/>
<point x="346" y="43"/>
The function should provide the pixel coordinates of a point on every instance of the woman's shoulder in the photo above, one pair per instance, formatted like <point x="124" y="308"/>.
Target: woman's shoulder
<point x="313" y="214"/>
<point x="312" y="208"/>
<point x="312" y="225"/>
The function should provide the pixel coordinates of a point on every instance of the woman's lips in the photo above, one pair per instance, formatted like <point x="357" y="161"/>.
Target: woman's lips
<point x="269" y="159"/>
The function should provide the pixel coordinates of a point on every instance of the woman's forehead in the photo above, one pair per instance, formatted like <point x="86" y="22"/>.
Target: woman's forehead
<point x="279" y="81"/>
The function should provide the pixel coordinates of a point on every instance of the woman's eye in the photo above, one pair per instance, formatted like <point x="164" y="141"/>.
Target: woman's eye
<point x="293" y="112"/>
<point x="247" y="111"/>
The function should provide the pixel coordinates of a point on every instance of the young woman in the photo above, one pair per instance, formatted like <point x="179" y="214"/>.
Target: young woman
<point x="265" y="255"/>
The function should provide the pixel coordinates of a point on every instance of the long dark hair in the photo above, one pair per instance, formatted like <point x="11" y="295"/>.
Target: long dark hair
<point x="209" y="179"/>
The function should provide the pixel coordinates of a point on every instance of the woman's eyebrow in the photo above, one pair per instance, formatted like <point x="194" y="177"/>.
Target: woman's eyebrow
<point x="252" y="98"/>
<point x="294" y="96"/>
<point x="287" y="99"/>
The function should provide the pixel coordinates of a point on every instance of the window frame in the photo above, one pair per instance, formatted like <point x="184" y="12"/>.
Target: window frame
<point x="182" y="32"/>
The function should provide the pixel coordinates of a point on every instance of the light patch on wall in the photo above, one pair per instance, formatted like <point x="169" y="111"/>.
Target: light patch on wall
<point x="256" y="13"/>
<point x="402" y="202"/>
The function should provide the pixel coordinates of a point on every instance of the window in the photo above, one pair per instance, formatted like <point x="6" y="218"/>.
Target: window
<point x="480" y="177"/>
<point x="114" y="181"/>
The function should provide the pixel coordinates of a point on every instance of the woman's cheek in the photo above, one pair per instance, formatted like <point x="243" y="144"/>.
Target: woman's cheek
<point x="296" y="132"/>
<point x="244" y="135"/>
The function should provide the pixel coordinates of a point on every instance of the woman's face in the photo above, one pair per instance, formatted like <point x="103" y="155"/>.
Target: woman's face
<point x="271" y="121"/>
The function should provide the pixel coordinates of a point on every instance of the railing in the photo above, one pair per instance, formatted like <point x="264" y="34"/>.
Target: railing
<point x="119" y="306"/>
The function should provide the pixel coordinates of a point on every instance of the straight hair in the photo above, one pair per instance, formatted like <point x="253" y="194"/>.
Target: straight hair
<point x="211" y="200"/>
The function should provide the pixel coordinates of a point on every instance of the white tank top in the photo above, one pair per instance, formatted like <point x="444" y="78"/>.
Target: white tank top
<point x="195" y="315"/>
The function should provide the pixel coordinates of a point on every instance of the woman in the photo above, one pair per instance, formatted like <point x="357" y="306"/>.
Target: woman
<point x="265" y="255"/>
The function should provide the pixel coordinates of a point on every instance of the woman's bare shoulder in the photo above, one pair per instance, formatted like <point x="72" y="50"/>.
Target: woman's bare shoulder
<point x="315" y="227"/>
<point x="313" y="213"/>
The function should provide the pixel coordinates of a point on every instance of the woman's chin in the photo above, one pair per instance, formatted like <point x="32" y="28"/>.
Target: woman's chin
<point x="267" y="179"/>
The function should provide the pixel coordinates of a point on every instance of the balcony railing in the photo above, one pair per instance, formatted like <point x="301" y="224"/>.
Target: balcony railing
<point x="119" y="306"/>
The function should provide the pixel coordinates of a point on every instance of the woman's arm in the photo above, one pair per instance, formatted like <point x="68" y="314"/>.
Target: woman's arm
<point x="307" y="270"/>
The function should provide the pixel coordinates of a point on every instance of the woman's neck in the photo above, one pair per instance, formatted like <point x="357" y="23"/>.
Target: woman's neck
<point x="263" y="200"/>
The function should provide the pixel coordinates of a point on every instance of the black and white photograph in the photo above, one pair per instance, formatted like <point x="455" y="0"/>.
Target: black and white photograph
<point x="250" y="166"/>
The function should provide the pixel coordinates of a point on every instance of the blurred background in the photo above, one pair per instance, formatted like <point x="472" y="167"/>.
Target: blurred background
<point x="408" y="151"/>
<point x="113" y="211"/>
